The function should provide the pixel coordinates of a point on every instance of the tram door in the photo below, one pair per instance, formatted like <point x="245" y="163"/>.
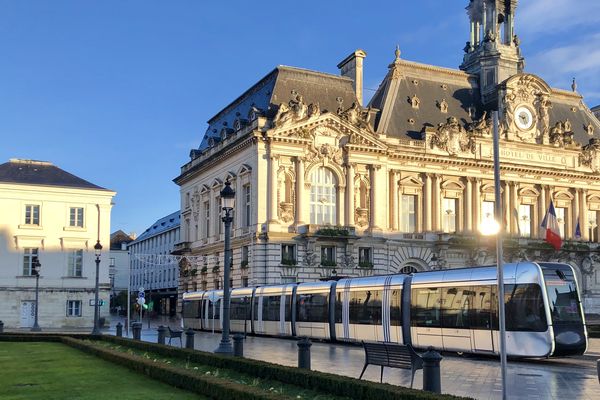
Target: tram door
<point x="482" y="318"/>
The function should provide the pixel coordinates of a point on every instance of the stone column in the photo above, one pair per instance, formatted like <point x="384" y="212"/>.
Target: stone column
<point x="427" y="200"/>
<point x="585" y="233"/>
<point x="373" y="202"/>
<point x="436" y="204"/>
<point x="273" y="165"/>
<point x="514" y="207"/>
<point x="468" y="205"/>
<point x="476" y="204"/>
<point x="300" y="191"/>
<point x="350" y="207"/>
<point x="239" y="194"/>
<point x="472" y="33"/>
<point x="541" y="208"/>
<point x="576" y="213"/>
<point x="395" y="211"/>
<point x="505" y="203"/>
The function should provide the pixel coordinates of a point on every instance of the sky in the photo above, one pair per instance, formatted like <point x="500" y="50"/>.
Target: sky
<point x="119" y="91"/>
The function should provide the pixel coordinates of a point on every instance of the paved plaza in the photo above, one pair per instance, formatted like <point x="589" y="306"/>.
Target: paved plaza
<point x="478" y="377"/>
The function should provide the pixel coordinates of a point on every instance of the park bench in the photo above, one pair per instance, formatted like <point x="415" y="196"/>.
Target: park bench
<point x="173" y="333"/>
<point x="392" y="355"/>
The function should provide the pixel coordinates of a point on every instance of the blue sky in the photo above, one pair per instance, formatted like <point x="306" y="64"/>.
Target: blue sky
<point x="118" y="91"/>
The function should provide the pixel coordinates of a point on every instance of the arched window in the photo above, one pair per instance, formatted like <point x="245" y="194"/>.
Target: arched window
<point x="408" y="269"/>
<point x="323" y="197"/>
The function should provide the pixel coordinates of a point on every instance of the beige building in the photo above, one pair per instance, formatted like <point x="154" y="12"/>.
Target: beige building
<point x="327" y="187"/>
<point x="58" y="217"/>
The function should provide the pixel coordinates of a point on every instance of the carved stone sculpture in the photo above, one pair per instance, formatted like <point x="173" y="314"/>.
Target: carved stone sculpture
<point x="589" y="129"/>
<point x="443" y="106"/>
<point x="286" y="212"/>
<point x="590" y="155"/>
<point x="361" y="217"/>
<point x="414" y="101"/>
<point x="544" y="106"/>
<point x="481" y="126"/>
<point x="295" y="110"/>
<point x="452" y="138"/>
<point x="561" y="134"/>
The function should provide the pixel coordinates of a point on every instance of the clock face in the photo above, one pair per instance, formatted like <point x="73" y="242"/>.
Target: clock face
<point x="524" y="118"/>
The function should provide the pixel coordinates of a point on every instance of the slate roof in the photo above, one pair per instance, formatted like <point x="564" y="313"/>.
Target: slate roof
<point x="30" y="172"/>
<point x="275" y="88"/>
<point x="163" y="224"/>
<point x="118" y="237"/>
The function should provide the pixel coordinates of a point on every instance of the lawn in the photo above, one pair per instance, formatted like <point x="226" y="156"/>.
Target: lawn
<point x="55" y="371"/>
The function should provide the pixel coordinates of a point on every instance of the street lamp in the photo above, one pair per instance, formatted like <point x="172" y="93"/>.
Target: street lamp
<point x="97" y="250"/>
<point x="227" y="204"/>
<point x="35" y="270"/>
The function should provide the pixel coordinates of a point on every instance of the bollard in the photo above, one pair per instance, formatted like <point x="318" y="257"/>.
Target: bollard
<point x="1" y="327"/>
<point x="304" y="353"/>
<point x="597" y="367"/>
<point x="120" y="329"/>
<point x="432" y="381"/>
<point x="189" y="338"/>
<point x="238" y="345"/>
<point x="136" y="327"/>
<point x="162" y="331"/>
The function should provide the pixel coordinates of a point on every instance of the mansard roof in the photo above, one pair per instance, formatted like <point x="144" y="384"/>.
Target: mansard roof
<point x="30" y="172"/>
<point x="277" y="87"/>
<point x="163" y="224"/>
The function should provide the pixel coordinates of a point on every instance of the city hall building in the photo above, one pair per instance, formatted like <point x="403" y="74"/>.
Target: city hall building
<point x="327" y="186"/>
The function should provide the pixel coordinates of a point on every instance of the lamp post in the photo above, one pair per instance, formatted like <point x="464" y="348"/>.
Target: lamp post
<point x="35" y="270"/>
<point x="227" y="204"/>
<point x="97" y="250"/>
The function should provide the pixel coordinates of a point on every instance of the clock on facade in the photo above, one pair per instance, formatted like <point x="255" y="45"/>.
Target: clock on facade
<point x="523" y="118"/>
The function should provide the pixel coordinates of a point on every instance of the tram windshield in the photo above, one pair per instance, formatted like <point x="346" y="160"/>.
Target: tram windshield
<point x="562" y="296"/>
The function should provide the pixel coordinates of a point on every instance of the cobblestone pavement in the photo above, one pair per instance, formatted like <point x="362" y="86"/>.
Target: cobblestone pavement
<point x="478" y="377"/>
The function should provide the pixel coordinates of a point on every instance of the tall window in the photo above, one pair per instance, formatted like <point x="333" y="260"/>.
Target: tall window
<point x="207" y="219"/>
<point x="32" y="214"/>
<point x="328" y="256"/>
<point x="449" y="215"/>
<point x="561" y="217"/>
<point x="245" y="254"/>
<point x="288" y="254"/>
<point x="487" y="212"/>
<point x="247" y="205"/>
<point x="408" y="217"/>
<point x="525" y="219"/>
<point x="323" y="205"/>
<point x="28" y="254"/>
<point x="75" y="263"/>
<point x="365" y="257"/>
<point x="218" y="212"/>
<point x="73" y="308"/>
<point x="76" y="217"/>
<point x="592" y="220"/>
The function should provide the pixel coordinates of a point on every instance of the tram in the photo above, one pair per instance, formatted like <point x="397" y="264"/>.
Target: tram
<point x="451" y="310"/>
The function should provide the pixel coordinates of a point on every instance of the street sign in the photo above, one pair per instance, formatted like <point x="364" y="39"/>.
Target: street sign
<point x="141" y="289"/>
<point x="93" y="302"/>
<point x="141" y="295"/>
<point x="141" y="301"/>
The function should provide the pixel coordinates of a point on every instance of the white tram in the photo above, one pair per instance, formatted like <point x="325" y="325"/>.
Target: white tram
<point x="451" y="310"/>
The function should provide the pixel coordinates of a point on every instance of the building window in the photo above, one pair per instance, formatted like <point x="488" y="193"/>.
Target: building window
<point x="75" y="263"/>
<point x="323" y="193"/>
<point x="111" y="262"/>
<point x="32" y="214"/>
<point x="204" y="285"/>
<point x="328" y="256"/>
<point x="592" y="219"/>
<point x="218" y="212"/>
<point x="244" y="281"/>
<point x="288" y="254"/>
<point x="73" y="308"/>
<point x="216" y="284"/>
<point x="487" y="213"/>
<point x="245" y="254"/>
<point x="561" y="218"/>
<point x="76" y="217"/>
<point x="365" y="257"/>
<point x="206" y="219"/>
<point x="525" y="220"/>
<point x="408" y="217"/>
<point x="449" y="215"/>
<point x="28" y="254"/>
<point x="247" y="205"/>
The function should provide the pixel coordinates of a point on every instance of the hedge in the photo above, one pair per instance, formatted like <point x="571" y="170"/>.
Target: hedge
<point x="315" y="380"/>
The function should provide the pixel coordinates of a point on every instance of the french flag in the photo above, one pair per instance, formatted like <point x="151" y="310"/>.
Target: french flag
<point x="550" y="225"/>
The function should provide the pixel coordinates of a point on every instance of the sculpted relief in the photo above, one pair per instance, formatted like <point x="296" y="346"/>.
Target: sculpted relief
<point x="590" y="155"/>
<point x="295" y="110"/>
<point x="452" y="138"/>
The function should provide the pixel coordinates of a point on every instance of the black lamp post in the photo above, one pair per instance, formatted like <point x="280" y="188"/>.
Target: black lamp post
<point x="97" y="250"/>
<point x="35" y="270"/>
<point x="227" y="204"/>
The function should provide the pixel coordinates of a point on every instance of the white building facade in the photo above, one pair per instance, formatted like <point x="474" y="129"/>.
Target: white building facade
<point x="151" y="266"/>
<point x="58" y="217"/>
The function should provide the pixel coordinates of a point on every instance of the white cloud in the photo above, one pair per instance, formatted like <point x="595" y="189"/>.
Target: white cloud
<point x="551" y="16"/>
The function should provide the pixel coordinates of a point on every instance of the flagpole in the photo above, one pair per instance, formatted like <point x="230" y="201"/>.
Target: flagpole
<point x="499" y="252"/>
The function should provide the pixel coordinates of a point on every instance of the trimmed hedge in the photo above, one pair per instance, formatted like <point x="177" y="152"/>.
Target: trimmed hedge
<point x="194" y="382"/>
<point x="315" y="380"/>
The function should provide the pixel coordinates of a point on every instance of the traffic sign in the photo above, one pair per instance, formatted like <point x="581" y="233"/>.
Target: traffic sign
<point x="141" y="301"/>
<point x="93" y="302"/>
<point x="141" y="289"/>
<point x="141" y="295"/>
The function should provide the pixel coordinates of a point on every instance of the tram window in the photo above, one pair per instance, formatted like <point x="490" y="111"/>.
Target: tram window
<point x="240" y="308"/>
<point x="312" y="308"/>
<point x="338" y="307"/>
<point x="288" y="307"/>
<point x="191" y="309"/>
<point x="365" y="307"/>
<point x="481" y="307"/>
<point x="525" y="308"/>
<point x="425" y="309"/>
<point x="396" y="308"/>
<point x="216" y="308"/>
<point x="562" y="296"/>
<point x="456" y="305"/>
<point x="271" y="308"/>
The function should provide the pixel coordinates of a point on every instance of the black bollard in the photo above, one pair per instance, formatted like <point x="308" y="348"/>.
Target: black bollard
<point x="136" y="327"/>
<point x="1" y="327"/>
<point x="162" y="331"/>
<point x="189" y="338"/>
<point x="304" y="353"/>
<point x="119" y="329"/>
<point x="432" y="381"/>
<point x="238" y="345"/>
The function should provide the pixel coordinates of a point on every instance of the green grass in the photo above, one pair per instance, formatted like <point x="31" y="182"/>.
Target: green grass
<point x="55" y="371"/>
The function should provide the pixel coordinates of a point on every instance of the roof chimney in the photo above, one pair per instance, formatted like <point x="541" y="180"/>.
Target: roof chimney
<point x="352" y="67"/>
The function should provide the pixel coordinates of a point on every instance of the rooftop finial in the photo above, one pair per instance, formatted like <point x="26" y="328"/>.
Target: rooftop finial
<point x="397" y="52"/>
<point x="574" y="85"/>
